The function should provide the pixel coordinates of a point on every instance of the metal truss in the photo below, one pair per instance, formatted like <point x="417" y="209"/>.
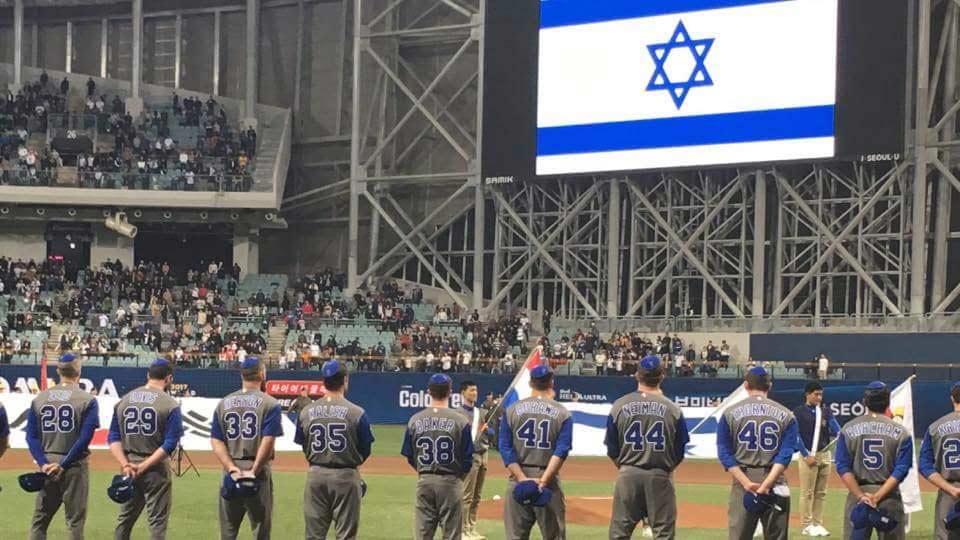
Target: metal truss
<point x="417" y="79"/>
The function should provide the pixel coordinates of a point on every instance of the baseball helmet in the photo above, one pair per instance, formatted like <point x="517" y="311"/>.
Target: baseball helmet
<point x="758" y="503"/>
<point x="528" y="493"/>
<point x="238" y="488"/>
<point x="32" y="482"/>
<point x="121" y="489"/>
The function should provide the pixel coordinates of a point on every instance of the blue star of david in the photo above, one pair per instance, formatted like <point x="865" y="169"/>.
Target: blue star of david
<point x="661" y="51"/>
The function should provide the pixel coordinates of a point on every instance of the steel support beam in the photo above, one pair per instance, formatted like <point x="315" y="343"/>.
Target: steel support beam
<point x="18" y="44"/>
<point x="759" y="243"/>
<point x="253" y="54"/>
<point x="104" y="36"/>
<point x="918" y="222"/>
<point x="136" y="60"/>
<point x="217" y="30"/>
<point x="613" y="250"/>
<point x="941" y="246"/>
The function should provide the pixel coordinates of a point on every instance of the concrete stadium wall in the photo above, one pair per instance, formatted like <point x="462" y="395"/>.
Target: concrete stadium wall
<point x="110" y="246"/>
<point x="23" y="240"/>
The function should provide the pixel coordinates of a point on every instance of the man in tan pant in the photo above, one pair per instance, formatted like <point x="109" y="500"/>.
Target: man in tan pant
<point x="817" y="428"/>
<point x="473" y="482"/>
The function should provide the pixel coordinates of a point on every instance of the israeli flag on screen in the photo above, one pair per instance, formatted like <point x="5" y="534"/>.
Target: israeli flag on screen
<point x="644" y="84"/>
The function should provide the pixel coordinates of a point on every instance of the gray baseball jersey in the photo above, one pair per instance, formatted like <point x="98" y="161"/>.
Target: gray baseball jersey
<point x="534" y="429"/>
<point x="58" y="417"/>
<point x="756" y="434"/>
<point x="334" y="433"/>
<point x="647" y="437"/>
<point x="242" y="419"/>
<point x="873" y="448"/>
<point x="144" y="420"/>
<point x="646" y="431"/>
<point x="940" y="453"/>
<point x="438" y="441"/>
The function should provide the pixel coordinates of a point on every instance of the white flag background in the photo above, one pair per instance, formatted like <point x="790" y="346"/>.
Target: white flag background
<point x="901" y="406"/>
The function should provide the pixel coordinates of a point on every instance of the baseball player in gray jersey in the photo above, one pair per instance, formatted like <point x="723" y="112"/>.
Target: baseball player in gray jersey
<point x="60" y="424"/>
<point x="873" y="456"/>
<point x="473" y="482"/>
<point x="646" y="439"/>
<point x="536" y="435"/>
<point x="939" y="463"/>
<point x="244" y="430"/>
<point x="336" y="439"/>
<point x="144" y="433"/>
<point x="756" y="439"/>
<point x="439" y="446"/>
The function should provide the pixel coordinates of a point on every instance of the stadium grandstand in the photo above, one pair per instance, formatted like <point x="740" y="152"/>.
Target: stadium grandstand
<point x="470" y="187"/>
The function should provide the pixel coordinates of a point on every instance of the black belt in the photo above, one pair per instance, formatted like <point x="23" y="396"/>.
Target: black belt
<point x="245" y="458"/>
<point x="439" y="473"/>
<point x="533" y="466"/>
<point x="337" y="467"/>
<point x="649" y="468"/>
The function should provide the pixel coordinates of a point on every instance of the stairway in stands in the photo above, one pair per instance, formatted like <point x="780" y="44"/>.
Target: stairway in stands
<point x="277" y="337"/>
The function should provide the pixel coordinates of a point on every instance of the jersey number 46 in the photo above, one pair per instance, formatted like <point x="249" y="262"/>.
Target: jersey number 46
<point x="762" y="436"/>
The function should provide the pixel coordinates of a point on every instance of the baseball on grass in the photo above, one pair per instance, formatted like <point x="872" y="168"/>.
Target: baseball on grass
<point x="496" y="497"/>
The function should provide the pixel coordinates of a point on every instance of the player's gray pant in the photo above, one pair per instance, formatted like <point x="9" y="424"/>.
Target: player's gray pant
<point x="643" y="494"/>
<point x="551" y="519"/>
<point x="152" y="489"/>
<point x="945" y="504"/>
<point x="71" y="490"/>
<point x="776" y="523"/>
<point x="439" y="504"/>
<point x="892" y="505"/>
<point x="259" y="509"/>
<point x="473" y="491"/>
<point x="331" y="496"/>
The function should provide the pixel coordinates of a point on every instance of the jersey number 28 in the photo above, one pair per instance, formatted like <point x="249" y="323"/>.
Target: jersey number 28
<point x="57" y="419"/>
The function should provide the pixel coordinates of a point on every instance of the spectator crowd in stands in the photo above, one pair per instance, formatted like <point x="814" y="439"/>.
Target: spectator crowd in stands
<point x="143" y="152"/>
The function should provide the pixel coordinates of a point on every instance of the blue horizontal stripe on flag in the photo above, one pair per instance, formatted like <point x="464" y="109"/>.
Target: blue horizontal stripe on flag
<point x="727" y="128"/>
<point x="555" y="13"/>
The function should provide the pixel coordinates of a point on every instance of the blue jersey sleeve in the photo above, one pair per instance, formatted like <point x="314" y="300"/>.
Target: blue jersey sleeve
<point x="114" y="434"/>
<point x="33" y="438"/>
<point x="364" y="437"/>
<point x="612" y="439"/>
<point x="725" y="445"/>
<point x="89" y="424"/>
<point x="298" y="435"/>
<point x="272" y="423"/>
<point x="466" y="444"/>
<point x="407" y="449"/>
<point x="4" y="424"/>
<point x="505" y="445"/>
<point x="683" y="438"/>
<point x="833" y="425"/>
<point x="841" y="456"/>
<point x="788" y="444"/>
<point x="926" y="461"/>
<point x="564" y="439"/>
<point x="904" y="460"/>
<point x="173" y="433"/>
<point x="216" y="432"/>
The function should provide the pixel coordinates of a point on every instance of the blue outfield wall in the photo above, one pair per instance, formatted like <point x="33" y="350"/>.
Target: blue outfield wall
<point x="391" y="398"/>
<point x="866" y="348"/>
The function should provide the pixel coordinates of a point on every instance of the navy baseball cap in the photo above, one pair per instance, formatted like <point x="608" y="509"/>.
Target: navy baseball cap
<point x="540" y="372"/>
<point x="250" y="362"/>
<point x="952" y="521"/>
<point x="876" y="385"/>
<point x="440" y="378"/>
<point x="67" y="358"/>
<point x="864" y="518"/>
<point x="331" y="368"/>
<point x="121" y="489"/>
<point x="528" y="493"/>
<point x="160" y="362"/>
<point x="238" y="488"/>
<point x="757" y="503"/>
<point x="650" y="363"/>
<point x="32" y="482"/>
<point x="758" y="371"/>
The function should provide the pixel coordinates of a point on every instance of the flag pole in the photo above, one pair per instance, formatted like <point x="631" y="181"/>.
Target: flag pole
<point x="516" y="379"/>
<point x="714" y="411"/>
<point x="43" y="367"/>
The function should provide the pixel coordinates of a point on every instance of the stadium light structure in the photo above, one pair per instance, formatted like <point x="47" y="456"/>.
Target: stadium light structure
<point x="119" y="224"/>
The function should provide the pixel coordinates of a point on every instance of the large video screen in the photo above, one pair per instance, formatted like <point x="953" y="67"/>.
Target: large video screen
<point x="588" y="86"/>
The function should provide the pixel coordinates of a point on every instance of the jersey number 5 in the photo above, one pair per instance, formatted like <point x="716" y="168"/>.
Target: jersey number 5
<point x="872" y="453"/>
<point x="635" y="437"/>
<point x="763" y="436"/>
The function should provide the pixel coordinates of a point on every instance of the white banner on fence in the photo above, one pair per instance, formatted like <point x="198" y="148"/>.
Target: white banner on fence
<point x="197" y="413"/>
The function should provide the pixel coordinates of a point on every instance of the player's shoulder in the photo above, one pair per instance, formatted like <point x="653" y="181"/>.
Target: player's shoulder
<point x="948" y="424"/>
